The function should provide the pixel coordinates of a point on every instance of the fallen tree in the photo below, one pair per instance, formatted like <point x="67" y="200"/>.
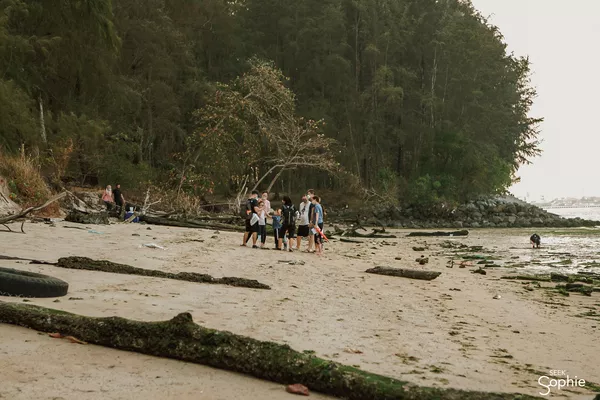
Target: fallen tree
<point x="439" y="233"/>
<point x="188" y="223"/>
<point x="8" y="218"/>
<point x="180" y="338"/>
<point x="88" y="264"/>
<point x="405" y="273"/>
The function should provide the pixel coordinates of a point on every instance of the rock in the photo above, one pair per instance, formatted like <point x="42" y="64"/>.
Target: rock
<point x="419" y="248"/>
<point x="497" y="297"/>
<point x="297" y="389"/>
<point x="479" y="271"/>
<point x="475" y="225"/>
<point x="79" y="217"/>
<point x="511" y="219"/>
<point x="555" y="277"/>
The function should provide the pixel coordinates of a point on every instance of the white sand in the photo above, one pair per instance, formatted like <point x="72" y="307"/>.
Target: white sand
<point x="418" y="331"/>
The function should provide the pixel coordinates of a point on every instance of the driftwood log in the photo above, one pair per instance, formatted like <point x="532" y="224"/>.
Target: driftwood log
<point x="353" y="232"/>
<point x="88" y="264"/>
<point x="438" y="233"/>
<point x="181" y="339"/>
<point x="405" y="273"/>
<point x="191" y="223"/>
<point x="8" y="218"/>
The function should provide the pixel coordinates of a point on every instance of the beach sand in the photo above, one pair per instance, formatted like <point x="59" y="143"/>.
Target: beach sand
<point x="449" y="332"/>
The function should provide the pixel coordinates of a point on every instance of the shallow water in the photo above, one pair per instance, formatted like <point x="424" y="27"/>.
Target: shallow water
<point x="584" y="213"/>
<point x="565" y="250"/>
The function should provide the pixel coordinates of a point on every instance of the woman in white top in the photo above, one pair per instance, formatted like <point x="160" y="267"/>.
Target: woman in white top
<point x="262" y="223"/>
<point x="303" y="230"/>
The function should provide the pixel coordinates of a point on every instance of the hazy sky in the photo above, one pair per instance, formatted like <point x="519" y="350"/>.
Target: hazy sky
<point x="561" y="39"/>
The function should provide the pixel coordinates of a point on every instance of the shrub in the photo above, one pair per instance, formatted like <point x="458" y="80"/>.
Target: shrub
<point x="25" y="181"/>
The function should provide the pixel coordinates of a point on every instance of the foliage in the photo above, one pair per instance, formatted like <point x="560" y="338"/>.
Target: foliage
<point x="417" y="99"/>
<point x="26" y="184"/>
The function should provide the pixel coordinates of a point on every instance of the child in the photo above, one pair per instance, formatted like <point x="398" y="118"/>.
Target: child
<point x="277" y="227"/>
<point x="262" y="223"/>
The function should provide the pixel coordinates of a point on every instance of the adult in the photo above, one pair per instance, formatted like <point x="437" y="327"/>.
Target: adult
<point x="311" y="209"/>
<point x="303" y="230"/>
<point x="267" y="203"/>
<point x="251" y="211"/>
<point x="288" y="217"/>
<point x="118" y="198"/>
<point x="318" y="221"/>
<point x="107" y="197"/>
<point x="262" y="223"/>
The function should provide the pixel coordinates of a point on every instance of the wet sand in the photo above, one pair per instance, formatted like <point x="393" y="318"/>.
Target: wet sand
<point x="449" y="332"/>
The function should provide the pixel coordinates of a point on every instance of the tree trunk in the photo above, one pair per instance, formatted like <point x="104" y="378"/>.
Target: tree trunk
<point x="181" y="339"/>
<point x="42" y="121"/>
<point x="275" y="179"/>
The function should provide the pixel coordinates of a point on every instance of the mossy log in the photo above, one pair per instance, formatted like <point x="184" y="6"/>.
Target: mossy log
<point x="405" y="273"/>
<point x="180" y="338"/>
<point x="439" y="233"/>
<point x="190" y="224"/>
<point x="88" y="264"/>
<point x="352" y="232"/>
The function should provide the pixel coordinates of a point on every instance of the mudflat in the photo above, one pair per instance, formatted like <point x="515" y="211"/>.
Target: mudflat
<point x="463" y="329"/>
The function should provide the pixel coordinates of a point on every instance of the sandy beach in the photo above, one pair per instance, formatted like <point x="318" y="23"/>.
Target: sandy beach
<point x="449" y="332"/>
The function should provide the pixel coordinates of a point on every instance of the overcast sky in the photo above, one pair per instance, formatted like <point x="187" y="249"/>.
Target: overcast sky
<point x="561" y="40"/>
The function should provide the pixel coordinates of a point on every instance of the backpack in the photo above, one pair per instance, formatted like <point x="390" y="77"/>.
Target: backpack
<point x="289" y="215"/>
<point x="246" y="213"/>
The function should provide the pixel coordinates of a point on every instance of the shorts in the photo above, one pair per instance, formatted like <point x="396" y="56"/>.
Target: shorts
<point x="303" y="231"/>
<point x="290" y="229"/>
<point x="318" y="238"/>
<point x="251" y="228"/>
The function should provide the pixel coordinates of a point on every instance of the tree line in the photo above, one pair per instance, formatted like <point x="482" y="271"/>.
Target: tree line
<point x="415" y="100"/>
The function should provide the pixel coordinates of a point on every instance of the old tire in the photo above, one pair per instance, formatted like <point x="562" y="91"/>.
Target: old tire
<point x="14" y="282"/>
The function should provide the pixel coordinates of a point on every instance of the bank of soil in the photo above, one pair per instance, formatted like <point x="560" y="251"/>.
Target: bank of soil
<point x="449" y="332"/>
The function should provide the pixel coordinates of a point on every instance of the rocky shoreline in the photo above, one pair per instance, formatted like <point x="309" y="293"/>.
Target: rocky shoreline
<point x="497" y="212"/>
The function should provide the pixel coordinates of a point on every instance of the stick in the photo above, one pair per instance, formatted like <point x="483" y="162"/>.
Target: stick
<point x="181" y="339"/>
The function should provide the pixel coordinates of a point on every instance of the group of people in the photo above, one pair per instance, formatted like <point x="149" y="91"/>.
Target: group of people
<point x="113" y="198"/>
<point x="308" y="217"/>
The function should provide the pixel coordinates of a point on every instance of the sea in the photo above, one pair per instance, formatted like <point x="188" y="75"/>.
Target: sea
<point x="592" y="213"/>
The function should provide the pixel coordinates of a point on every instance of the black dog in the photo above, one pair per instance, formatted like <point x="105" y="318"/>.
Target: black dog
<point x="535" y="240"/>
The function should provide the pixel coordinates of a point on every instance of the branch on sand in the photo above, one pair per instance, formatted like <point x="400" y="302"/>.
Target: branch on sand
<point x="88" y="264"/>
<point x="8" y="218"/>
<point x="181" y="339"/>
<point x="405" y="273"/>
<point x="439" y="233"/>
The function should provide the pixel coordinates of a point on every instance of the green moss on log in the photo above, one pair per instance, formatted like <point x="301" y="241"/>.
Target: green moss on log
<point x="108" y="266"/>
<point x="180" y="338"/>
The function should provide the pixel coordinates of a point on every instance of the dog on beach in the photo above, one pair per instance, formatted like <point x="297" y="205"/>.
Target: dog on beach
<point x="535" y="240"/>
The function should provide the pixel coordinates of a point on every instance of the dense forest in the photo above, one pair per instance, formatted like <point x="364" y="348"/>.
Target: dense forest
<point x="415" y="100"/>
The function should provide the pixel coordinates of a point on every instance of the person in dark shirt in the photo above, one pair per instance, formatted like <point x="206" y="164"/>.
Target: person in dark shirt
<point x="118" y="197"/>
<point x="251" y="211"/>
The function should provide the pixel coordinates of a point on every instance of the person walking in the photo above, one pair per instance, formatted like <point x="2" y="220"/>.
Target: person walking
<point x="303" y="230"/>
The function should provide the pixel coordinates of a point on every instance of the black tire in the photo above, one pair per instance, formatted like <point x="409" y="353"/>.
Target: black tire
<point x="14" y="282"/>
